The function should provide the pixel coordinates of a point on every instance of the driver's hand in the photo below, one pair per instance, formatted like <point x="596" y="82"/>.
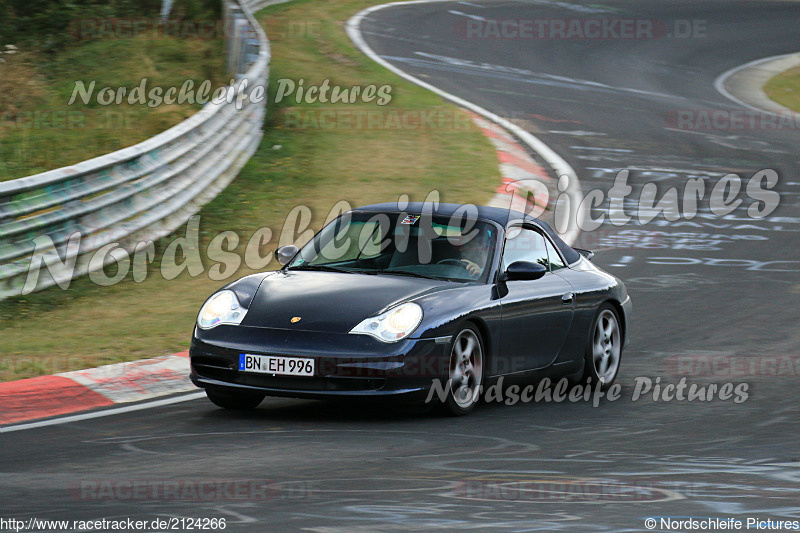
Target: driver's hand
<point x="472" y="268"/>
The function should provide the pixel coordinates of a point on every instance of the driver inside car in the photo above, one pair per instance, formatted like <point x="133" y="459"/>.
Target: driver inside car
<point x="474" y="253"/>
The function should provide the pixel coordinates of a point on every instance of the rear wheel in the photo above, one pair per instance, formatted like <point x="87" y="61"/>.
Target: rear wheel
<point x="604" y="348"/>
<point x="234" y="400"/>
<point x="466" y="372"/>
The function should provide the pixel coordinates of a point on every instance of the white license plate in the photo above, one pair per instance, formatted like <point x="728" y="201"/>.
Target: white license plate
<point x="274" y="364"/>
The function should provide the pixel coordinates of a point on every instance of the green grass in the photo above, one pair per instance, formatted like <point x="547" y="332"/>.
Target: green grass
<point x="785" y="88"/>
<point x="39" y="131"/>
<point x="89" y="325"/>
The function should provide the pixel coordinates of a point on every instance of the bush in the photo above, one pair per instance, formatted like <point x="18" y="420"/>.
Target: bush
<point x="50" y="25"/>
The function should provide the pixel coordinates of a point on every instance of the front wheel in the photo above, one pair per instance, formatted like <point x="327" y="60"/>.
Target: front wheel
<point x="466" y="373"/>
<point x="604" y="349"/>
<point x="234" y="400"/>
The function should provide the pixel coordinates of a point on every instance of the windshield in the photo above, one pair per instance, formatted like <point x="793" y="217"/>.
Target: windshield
<point x="459" y="248"/>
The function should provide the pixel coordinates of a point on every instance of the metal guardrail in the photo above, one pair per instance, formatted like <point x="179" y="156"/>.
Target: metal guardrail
<point x="142" y="192"/>
<point x="255" y="5"/>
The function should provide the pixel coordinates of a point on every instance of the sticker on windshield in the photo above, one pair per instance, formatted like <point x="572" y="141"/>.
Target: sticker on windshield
<point x="410" y="219"/>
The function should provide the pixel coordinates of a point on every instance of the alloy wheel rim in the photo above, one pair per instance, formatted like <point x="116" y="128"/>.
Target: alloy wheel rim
<point x="466" y="368"/>
<point x="606" y="346"/>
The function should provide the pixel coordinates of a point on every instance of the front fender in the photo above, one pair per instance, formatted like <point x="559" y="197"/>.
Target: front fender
<point x="245" y="288"/>
<point x="445" y="312"/>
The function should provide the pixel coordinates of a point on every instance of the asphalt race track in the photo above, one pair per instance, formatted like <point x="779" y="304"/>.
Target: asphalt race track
<point x="714" y="307"/>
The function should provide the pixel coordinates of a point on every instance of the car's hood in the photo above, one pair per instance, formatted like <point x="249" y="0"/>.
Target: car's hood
<point x="330" y="301"/>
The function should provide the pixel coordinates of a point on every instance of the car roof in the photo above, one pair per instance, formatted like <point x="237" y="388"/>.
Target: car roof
<point x="501" y="216"/>
<point x="496" y="214"/>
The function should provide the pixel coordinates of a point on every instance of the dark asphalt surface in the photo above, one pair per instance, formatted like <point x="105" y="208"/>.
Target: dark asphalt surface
<point x="540" y="466"/>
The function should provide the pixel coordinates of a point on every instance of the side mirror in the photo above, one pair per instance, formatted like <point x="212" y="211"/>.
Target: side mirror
<point x="284" y="254"/>
<point x="524" y="270"/>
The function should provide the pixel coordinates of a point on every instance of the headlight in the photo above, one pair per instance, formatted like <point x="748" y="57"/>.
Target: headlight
<point x="222" y="308"/>
<point x="393" y="325"/>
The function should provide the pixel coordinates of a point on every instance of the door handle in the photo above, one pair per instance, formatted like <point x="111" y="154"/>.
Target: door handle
<point x="567" y="298"/>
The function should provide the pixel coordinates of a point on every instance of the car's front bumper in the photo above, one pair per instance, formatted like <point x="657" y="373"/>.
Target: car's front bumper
<point x="346" y="365"/>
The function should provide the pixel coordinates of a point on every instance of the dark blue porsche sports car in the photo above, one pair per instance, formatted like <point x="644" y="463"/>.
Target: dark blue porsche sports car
<point x="385" y="302"/>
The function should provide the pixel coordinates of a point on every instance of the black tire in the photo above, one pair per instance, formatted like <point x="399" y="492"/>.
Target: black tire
<point x="234" y="400"/>
<point x="603" y="348"/>
<point x="465" y="372"/>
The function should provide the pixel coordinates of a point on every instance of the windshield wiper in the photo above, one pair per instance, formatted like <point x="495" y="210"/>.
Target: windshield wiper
<point x="323" y="268"/>
<point x="407" y="273"/>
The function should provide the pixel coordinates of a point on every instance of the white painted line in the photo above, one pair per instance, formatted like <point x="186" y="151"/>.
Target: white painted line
<point x="103" y="413"/>
<point x="577" y="133"/>
<point x="719" y="83"/>
<point x="528" y="76"/>
<point x="577" y="211"/>
<point x="473" y="17"/>
<point x="620" y="150"/>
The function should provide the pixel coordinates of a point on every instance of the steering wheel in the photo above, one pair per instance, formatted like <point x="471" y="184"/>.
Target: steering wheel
<point x="451" y="261"/>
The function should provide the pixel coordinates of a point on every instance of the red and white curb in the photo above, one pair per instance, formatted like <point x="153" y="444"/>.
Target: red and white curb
<point x="526" y="186"/>
<point x="82" y="390"/>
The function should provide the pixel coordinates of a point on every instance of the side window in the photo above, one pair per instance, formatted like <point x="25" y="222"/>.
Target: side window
<point x="555" y="260"/>
<point x="525" y="245"/>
